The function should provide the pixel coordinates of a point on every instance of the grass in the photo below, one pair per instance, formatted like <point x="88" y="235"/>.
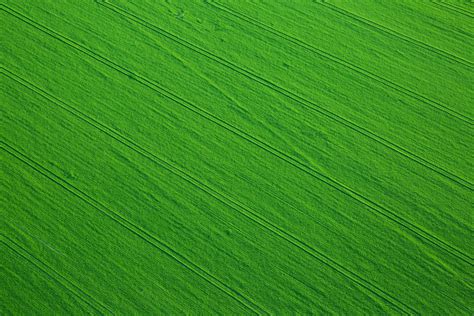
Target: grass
<point x="236" y="157"/>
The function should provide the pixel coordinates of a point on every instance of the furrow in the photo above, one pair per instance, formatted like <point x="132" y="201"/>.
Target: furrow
<point x="306" y="103"/>
<point x="232" y="203"/>
<point x="381" y="80"/>
<point x="378" y="209"/>
<point x="406" y="38"/>
<point x="135" y="229"/>
<point x="56" y="276"/>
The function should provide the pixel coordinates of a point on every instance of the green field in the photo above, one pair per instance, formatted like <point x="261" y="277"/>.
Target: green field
<point x="236" y="157"/>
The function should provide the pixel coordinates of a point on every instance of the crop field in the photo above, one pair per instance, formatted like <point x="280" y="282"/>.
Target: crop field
<point x="236" y="157"/>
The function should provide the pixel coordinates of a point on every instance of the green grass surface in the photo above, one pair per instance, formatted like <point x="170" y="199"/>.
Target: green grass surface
<point x="236" y="157"/>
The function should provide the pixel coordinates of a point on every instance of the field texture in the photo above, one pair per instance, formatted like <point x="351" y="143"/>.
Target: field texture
<point x="236" y="157"/>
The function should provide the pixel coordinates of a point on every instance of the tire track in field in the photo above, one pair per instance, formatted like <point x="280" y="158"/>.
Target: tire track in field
<point x="361" y="71"/>
<point x="306" y="103"/>
<point x="377" y="208"/>
<point x="454" y="8"/>
<point x="135" y="229"/>
<point x="55" y="275"/>
<point x="386" y="29"/>
<point x="233" y="204"/>
<point x="326" y="179"/>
